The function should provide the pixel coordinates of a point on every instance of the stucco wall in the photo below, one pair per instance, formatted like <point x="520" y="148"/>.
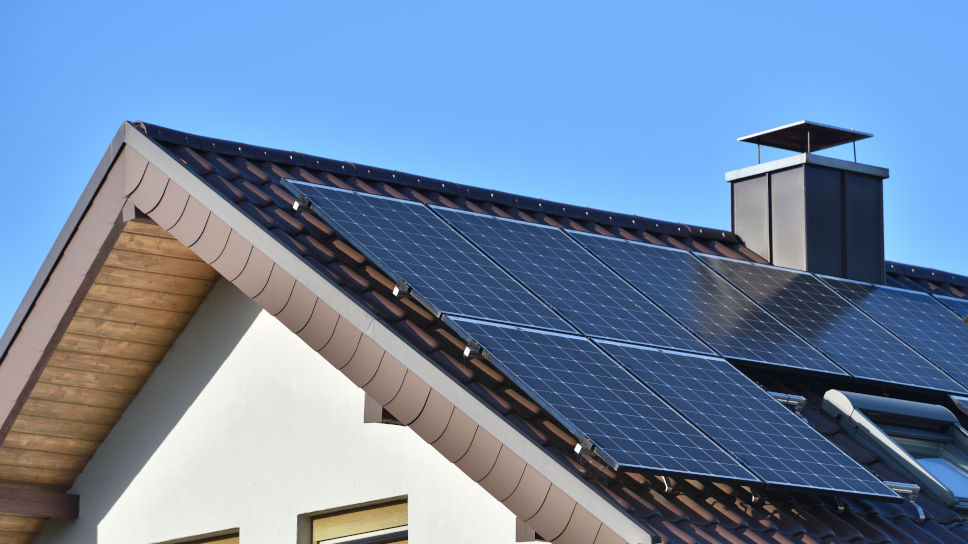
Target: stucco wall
<point x="242" y="425"/>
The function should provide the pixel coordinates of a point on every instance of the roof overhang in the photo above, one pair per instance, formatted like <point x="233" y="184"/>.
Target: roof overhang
<point x="136" y="175"/>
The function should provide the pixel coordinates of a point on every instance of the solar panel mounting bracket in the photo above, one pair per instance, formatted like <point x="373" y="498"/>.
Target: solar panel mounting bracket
<point x="472" y="348"/>
<point x="795" y="403"/>
<point x="401" y="289"/>
<point x="301" y="200"/>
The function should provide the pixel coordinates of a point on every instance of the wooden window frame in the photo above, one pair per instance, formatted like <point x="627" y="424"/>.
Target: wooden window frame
<point x="373" y="523"/>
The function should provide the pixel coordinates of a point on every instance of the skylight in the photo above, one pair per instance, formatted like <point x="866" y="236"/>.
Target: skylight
<point x="924" y="442"/>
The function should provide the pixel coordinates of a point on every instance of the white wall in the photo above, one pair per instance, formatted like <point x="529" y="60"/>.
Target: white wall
<point x="242" y="425"/>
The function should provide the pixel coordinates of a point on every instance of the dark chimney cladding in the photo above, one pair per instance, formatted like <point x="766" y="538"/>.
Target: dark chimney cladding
<point x="811" y="212"/>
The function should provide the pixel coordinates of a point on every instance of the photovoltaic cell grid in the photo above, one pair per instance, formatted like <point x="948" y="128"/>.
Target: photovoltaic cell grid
<point x="768" y="438"/>
<point x="917" y="318"/>
<point x="957" y="305"/>
<point x="420" y="248"/>
<point x="831" y="324"/>
<point x="572" y="281"/>
<point x="706" y="303"/>
<point x="574" y="380"/>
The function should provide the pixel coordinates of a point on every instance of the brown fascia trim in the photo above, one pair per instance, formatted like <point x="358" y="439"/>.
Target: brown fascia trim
<point x="63" y="280"/>
<point x="39" y="503"/>
<point x="550" y="498"/>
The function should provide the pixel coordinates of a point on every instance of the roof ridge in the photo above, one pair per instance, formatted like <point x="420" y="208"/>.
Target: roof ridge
<point x="925" y="273"/>
<point x="548" y="207"/>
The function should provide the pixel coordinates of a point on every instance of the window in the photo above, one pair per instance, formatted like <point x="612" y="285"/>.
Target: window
<point x="376" y="524"/>
<point x="925" y="442"/>
<point x="222" y="537"/>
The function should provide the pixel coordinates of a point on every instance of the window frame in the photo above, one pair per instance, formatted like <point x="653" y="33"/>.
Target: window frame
<point x="378" y="522"/>
<point x="900" y="431"/>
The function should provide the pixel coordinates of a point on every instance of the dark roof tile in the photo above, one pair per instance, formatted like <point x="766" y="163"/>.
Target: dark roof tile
<point x="285" y="221"/>
<point x="227" y="188"/>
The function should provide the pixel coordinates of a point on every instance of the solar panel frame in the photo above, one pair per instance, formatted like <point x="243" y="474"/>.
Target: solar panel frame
<point x="819" y="315"/>
<point x="573" y="281"/>
<point x="722" y="316"/>
<point x="916" y="318"/>
<point x="413" y="245"/>
<point x="957" y="305"/>
<point x="597" y="399"/>
<point x="769" y="439"/>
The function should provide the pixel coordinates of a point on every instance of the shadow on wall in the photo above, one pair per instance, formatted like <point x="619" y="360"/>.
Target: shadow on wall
<point x="173" y="387"/>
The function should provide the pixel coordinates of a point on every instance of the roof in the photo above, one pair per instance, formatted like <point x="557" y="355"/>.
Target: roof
<point x="329" y="293"/>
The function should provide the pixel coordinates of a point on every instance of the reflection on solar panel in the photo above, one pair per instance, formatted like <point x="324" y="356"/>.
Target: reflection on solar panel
<point x="699" y="298"/>
<point x="583" y="290"/>
<point x="774" y="443"/>
<point x="831" y="324"/>
<point x="957" y="305"/>
<point x="411" y="242"/>
<point x="916" y="318"/>
<point x="577" y="383"/>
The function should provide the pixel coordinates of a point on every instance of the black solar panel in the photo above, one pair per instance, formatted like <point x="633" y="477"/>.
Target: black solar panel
<point x="585" y="389"/>
<point x="411" y="242"/>
<point x="957" y="305"/>
<point x="572" y="281"/>
<point x="706" y="303"/>
<point x="917" y="318"/>
<point x="842" y="332"/>
<point x="770" y="440"/>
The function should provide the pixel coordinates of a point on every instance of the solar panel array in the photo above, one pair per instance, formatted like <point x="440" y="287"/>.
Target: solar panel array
<point x="833" y="325"/>
<point x="916" y="318"/>
<point x="957" y="305"/>
<point x="706" y="303"/>
<point x="571" y="280"/>
<point x="768" y="438"/>
<point x="581" y="386"/>
<point x="508" y="284"/>
<point x="411" y="242"/>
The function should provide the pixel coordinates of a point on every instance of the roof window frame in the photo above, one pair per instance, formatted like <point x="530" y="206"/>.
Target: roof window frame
<point x="892" y="428"/>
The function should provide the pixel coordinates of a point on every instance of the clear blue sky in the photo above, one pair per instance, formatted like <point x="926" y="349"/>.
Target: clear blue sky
<point x="623" y="106"/>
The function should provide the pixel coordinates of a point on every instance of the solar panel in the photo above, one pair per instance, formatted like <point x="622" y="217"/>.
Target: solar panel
<point x="415" y="245"/>
<point x="842" y="332"/>
<point x="706" y="303"/>
<point x="583" y="290"/>
<point x="586" y="390"/>
<point x="956" y="305"/>
<point x="770" y="440"/>
<point x="915" y="318"/>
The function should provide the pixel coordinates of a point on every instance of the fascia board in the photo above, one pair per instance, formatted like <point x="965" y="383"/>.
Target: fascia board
<point x="87" y="196"/>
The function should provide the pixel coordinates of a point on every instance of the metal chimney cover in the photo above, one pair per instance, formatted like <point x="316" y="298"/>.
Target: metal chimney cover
<point x="805" y="137"/>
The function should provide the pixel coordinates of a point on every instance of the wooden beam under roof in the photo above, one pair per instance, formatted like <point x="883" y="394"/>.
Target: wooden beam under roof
<point x="38" y="502"/>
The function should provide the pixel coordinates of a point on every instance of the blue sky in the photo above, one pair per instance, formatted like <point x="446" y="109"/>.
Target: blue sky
<point x="625" y="106"/>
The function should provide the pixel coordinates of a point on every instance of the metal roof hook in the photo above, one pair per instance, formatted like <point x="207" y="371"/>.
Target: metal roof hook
<point x="909" y="492"/>
<point x="755" y="497"/>
<point x="665" y="481"/>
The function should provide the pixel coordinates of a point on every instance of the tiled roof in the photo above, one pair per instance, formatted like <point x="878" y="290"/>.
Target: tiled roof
<point x="926" y="279"/>
<point x="675" y="510"/>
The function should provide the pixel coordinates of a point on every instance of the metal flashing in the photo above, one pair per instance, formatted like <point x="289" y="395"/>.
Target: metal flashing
<point x="806" y="158"/>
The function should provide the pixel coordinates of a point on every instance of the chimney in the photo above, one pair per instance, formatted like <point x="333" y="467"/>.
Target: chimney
<point x="811" y="212"/>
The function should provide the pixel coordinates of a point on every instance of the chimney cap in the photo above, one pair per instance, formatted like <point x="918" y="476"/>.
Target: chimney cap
<point x="805" y="137"/>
